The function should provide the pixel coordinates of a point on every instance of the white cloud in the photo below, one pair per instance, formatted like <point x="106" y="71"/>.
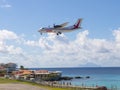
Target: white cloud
<point x="4" y="4"/>
<point x="116" y="34"/>
<point x="13" y="50"/>
<point x="60" y="51"/>
<point x="5" y="36"/>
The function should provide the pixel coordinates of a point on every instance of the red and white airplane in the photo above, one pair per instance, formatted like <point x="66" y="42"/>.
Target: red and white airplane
<point x="58" y="29"/>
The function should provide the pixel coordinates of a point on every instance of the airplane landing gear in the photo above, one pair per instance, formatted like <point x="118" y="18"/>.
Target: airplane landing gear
<point x="59" y="33"/>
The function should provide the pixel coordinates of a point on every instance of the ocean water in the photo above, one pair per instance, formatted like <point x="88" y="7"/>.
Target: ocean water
<point x="100" y="76"/>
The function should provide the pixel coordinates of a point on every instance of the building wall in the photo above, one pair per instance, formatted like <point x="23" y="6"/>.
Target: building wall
<point x="48" y="77"/>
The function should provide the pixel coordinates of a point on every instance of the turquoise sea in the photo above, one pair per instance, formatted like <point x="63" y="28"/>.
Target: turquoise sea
<point x="100" y="76"/>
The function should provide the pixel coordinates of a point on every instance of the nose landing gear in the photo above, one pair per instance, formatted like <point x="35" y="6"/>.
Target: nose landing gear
<point x="59" y="33"/>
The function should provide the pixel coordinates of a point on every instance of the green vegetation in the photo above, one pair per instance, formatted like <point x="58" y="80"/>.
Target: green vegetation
<point x="22" y="67"/>
<point x="3" y="80"/>
<point x="2" y="73"/>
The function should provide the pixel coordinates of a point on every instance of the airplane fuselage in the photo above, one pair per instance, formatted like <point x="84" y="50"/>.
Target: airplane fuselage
<point x="53" y="30"/>
<point x="61" y="29"/>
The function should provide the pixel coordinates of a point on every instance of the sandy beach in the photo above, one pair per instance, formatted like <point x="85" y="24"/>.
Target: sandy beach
<point x="19" y="87"/>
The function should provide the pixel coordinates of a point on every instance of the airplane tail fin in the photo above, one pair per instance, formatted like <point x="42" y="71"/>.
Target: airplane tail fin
<point x="78" y="23"/>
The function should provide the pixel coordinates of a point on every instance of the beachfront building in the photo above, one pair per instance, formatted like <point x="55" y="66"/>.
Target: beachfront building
<point x="10" y="67"/>
<point x="47" y="75"/>
<point x="2" y="71"/>
<point x="2" y="68"/>
<point x="41" y="75"/>
<point x="6" y="69"/>
<point x="21" y="74"/>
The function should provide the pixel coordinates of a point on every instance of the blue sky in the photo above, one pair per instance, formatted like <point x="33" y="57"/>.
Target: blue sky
<point x="27" y="16"/>
<point x="20" y="21"/>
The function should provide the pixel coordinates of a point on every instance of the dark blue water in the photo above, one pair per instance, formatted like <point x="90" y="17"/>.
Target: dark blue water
<point x="100" y="76"/>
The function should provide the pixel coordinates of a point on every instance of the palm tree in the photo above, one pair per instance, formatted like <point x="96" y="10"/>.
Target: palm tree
<point x="22" y="67"/>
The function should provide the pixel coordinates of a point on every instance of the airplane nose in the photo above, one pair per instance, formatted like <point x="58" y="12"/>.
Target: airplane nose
<point x="38" y="30"/>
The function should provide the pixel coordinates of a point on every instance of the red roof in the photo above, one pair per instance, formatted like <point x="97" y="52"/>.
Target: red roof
<point x="22" y="72"/>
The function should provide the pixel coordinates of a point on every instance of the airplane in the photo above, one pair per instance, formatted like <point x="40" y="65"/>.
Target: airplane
<point x="59" y="29"/>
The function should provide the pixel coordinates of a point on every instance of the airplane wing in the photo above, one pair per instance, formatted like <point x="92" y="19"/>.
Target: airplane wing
<point x="60" y="26"/>
<point x="64" y="24"/>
